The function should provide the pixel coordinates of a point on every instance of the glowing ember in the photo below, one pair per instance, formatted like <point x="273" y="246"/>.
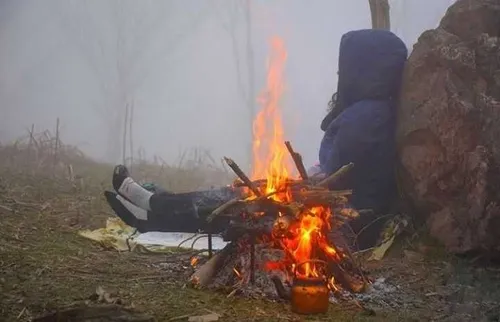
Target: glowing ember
<point x="237" y="273"/>
<point x="194" y="261"/>
<point x="271" y="160"/>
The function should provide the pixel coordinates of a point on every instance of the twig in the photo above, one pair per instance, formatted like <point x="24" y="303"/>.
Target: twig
<point x="30" y="146"/>
<point x="21" y="313"/>
<point x="56" y="147"/>
<point x="124" y="148"/>
<point x="356" y="264"/>
<point x="221" y="209"/>
<point x="297" y="159"/>
<point x="6" y="208"/>
<point x="371" y="223"/>
<point x="131" y="137"/>
<point x="334" y="177"/>
<point x="243" y="177"/>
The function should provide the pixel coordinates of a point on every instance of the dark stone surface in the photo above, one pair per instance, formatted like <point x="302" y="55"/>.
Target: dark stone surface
<point x="449" y="128"/>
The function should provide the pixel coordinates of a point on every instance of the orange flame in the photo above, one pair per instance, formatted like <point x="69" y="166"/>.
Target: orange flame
<point x="269" y="152"/>
<point x="272" y="162"/>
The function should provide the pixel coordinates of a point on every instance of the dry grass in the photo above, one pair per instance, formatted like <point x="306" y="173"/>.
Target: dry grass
<point x="44" y="265"/>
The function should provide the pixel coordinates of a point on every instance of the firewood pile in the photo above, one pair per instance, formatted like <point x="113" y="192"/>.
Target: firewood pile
<point x="279" y="231"/>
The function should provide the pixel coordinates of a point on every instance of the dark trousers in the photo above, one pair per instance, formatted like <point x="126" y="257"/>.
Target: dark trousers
<point x="188" y="212"/>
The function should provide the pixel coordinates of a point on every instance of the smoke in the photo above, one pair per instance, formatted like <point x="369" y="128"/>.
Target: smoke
<point x="177" y="63"/>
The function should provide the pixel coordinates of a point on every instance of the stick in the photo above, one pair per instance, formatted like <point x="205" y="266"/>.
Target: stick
<point x="297" y="159"/>
<point x="56" y="147"/>
<point x="31" y="135"/>
<point x="341" y="277"/>
<point x="223" y="208"/>
<point x="280" y="289"/>
<point x="243" y="177"/>
<point x="6" y="208"/>
<point x="131" y="137"/>
<point x="204" y="274"/>
<point x="334" y="177"/>
<point x="124" y="148"/>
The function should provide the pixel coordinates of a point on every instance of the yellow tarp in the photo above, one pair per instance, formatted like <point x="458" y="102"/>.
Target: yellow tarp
<point x="121" y="237"/>
<point x="116" y="235"/>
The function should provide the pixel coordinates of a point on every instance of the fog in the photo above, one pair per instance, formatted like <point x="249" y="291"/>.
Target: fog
<point x="176" y="62"/>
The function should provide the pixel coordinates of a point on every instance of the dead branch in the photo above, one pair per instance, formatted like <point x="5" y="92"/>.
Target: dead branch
<point x="56" y="144"/>
<point x="6" y="208"/>
<point x="337" y="175"/>
<point x="131" y="137"/>
<point x="297" y="159"/>
<point x="243" y="177"/>
<point x="205" y="273"/>
<point x="280" y="289"/>
<point x="124" y="143"/>
<point x="223" y="208"/>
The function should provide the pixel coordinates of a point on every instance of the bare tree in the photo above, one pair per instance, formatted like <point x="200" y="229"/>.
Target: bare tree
<point x="235" y="16"/>
<point x="116" y="39"/>
<point x="380" y="13"/>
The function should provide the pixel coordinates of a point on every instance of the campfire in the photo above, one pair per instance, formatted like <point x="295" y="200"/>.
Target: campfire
<point x="282" y="228"/>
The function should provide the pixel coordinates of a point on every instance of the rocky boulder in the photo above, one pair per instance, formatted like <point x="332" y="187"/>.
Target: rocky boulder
<point x="449" y="128"/>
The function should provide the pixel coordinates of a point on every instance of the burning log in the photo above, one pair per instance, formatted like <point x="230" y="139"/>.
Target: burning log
<point x="205" y="273"/>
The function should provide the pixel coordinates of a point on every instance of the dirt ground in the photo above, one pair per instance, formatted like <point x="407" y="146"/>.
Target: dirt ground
<point x="46" y="266"/>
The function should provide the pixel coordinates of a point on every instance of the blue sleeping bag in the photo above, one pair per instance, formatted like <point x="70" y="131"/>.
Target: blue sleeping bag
<point x="371" y="64"/>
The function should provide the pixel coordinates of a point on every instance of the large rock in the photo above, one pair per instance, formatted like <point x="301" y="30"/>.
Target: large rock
<point x="449" y="128"/>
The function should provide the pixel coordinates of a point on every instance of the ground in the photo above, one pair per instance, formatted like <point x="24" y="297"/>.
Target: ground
<point x="45" y="266"/>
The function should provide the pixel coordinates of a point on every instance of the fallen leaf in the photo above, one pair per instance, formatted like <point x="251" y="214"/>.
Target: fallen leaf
<point x="204" y="318"/>
<point x="379" y="252"/>
<point x="393" y="228"/>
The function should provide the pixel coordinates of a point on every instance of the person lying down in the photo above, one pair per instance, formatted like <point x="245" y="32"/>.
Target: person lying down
<point x="359" y="128"/>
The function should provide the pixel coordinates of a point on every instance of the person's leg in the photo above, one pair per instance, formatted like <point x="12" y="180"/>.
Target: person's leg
<point x="183" y="212"/>
<point x="125" y="186"/>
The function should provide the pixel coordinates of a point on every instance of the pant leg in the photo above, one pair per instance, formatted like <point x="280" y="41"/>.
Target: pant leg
<point x="187" y="212"/>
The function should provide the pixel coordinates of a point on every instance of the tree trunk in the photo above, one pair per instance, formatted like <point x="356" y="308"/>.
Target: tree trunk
<point x="380" y="12"/>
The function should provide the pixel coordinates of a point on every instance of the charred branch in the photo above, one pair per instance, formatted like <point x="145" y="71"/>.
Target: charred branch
<point x="297" y="159"/>
<point x="243" y="177"/>
<point x="205" y="273"/>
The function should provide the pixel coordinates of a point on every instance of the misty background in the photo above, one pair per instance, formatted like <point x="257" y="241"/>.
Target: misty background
<point x="192" y="70"/>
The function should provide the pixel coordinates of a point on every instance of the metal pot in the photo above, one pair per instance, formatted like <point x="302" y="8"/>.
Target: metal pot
<point x="309" y="295"/>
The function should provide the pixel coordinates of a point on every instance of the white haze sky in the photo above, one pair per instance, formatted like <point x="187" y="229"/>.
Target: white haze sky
<point x="58" y="58"/>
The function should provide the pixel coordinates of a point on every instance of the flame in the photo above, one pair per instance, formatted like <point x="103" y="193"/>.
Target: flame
<point x="269" y="152"/>
<point x="271" y="161"/>
<point x="194" y="261"/>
